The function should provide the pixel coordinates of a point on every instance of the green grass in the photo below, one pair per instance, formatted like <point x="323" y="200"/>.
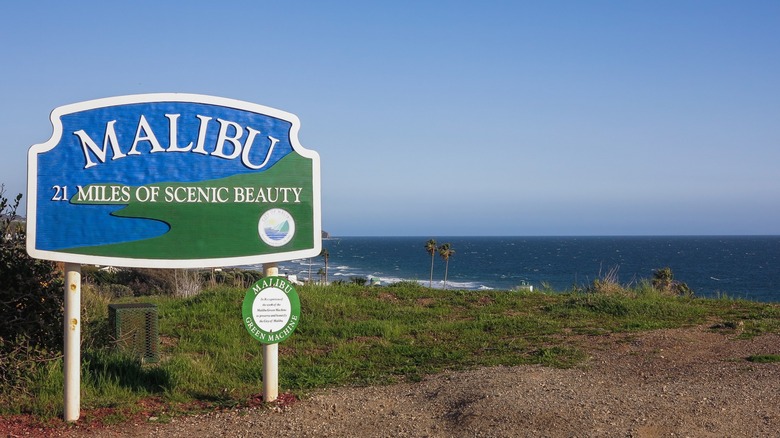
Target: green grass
<point x="764" y="358"/>
<point x="359" y="335"/>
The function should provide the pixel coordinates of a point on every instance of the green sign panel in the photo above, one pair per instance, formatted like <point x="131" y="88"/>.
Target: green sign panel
<point x="173" y="180"/>
<point x="271" y="310"/>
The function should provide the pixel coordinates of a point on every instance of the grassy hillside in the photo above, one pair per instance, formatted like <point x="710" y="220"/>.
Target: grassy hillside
<point x="361" y="335"/>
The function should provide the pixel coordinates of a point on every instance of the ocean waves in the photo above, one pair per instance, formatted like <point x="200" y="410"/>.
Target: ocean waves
<point x="739" y="267"/>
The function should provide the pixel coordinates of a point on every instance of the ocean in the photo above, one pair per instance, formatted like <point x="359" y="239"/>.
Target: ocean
<point x="712" y="266"/>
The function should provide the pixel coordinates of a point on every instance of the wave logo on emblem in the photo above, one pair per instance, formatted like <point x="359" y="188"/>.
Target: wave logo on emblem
<point x="276" y="227"/>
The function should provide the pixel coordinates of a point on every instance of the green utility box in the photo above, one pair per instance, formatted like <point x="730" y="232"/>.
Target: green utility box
<point x="135" y="330"/>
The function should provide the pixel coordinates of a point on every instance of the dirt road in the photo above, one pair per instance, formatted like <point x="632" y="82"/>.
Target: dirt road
<point x="684" y="382"/>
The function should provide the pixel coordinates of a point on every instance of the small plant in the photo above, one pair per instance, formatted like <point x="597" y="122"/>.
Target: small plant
<point x="558" y="356"/>
<point x="764" y="358"/>
<point x="608" y="283"/>
<point x="406" y="284"/>
<point x="664" y="282"/>
<point x="187" y="283"/>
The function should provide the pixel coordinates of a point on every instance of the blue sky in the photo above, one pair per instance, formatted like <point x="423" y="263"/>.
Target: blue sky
<point x="437" y="118"/>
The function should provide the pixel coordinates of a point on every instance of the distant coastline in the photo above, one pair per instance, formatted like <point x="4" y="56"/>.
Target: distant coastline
<point x="713" y="266"/>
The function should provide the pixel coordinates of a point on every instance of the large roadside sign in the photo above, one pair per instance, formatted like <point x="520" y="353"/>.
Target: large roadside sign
<point x="173" y="180"/>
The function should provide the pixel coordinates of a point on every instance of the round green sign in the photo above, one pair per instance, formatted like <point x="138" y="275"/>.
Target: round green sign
<point x="271" y="310"/>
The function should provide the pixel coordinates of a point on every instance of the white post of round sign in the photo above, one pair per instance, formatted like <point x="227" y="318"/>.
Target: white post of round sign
<point x="270" y="353"/>
<point x="271" y="311"/>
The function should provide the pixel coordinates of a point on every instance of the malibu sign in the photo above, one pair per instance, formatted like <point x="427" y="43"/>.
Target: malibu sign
<point x="172" y="180"/>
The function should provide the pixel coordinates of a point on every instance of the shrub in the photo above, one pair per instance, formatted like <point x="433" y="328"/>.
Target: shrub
<point x="664" y="282"/>
<point x="187" y="283"/>
<point x="407" y="284"/>
<point x="31" y="303"/>
<point x="360" y="281"/>
<point x="608" y="284"/>
<point x="234" y="277"/>
<point x="764" y="358"/>
<point x="94" y="275"/>
<point x="117" y="290"/>
<point x="144" y="282"/>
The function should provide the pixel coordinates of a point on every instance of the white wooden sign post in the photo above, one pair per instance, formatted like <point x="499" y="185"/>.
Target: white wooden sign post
<point x="168" y="181"/>
<point x="72" y="342"/>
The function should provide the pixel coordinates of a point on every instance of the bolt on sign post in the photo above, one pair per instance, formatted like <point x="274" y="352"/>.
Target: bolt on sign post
<point x="168" y="181"/>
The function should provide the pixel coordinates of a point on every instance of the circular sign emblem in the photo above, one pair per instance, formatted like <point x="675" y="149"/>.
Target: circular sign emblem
<point x="271" y="310"/>
<point x="276" y="227"/>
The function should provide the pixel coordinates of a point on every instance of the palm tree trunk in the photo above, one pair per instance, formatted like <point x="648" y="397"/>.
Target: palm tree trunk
<point x="430" y="284"/>
<point x="446" y="268"/>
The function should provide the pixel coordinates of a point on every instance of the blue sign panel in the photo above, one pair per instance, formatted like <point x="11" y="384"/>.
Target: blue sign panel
<point x="172" y="180"/>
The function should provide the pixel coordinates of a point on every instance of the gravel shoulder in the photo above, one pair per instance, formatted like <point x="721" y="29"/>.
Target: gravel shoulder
<point x="679" y="382"/>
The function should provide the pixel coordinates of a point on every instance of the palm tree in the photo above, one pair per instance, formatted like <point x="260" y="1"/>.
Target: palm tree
<point x="663" y="279"/>
<point x="430" y="246"/>
<point x="325" y="256"/>
<point x="446" y="251"/>
<point x="321" y="273"/>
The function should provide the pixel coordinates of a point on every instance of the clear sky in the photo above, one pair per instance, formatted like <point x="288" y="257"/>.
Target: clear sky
<point x="438" y="118"/>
